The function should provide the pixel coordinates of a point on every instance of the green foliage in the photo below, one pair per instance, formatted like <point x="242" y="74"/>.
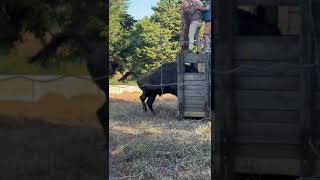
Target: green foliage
<point x="119" y="28"/>
<point x="43" y="17"/>
<point x="155" y="40"/>
<point x="168" y="13"/>
<point x="153" y="46"/>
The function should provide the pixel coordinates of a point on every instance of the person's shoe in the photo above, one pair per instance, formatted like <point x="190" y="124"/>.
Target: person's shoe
<point x="207" y="51"/>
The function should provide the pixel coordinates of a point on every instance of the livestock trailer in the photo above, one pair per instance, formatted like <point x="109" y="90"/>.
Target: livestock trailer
<point x="267" y="92"/>
<point x="194" y="89"/>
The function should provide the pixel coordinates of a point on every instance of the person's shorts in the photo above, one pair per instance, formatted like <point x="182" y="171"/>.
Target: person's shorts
<point x="206" y="15"/>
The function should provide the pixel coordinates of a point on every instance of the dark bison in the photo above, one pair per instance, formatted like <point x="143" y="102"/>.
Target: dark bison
<point x="150" y="83"/>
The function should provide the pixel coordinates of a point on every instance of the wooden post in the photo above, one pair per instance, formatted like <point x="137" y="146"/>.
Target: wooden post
<point x="207" y="86"/>
<point x="306" y="124"/>
<point x="225" y="121"/>
<point x="180" y="72"/>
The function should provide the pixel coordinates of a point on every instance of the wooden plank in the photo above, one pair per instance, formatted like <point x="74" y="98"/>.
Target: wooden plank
<point x="194" y="114"/>
<point x="194" y="92"/>
<point x="266" y="83"/>
<point x="194" y="83"/>
<point x="266" y="100"/>
<point x="280" y="166"/>
<point x="194" y="58"/>
<point x="266" y="48"/>
<point x="275" y="69"/>
<point x="306" y="124"/>
<point x="316" y="15"/>
<point x="270" y="116"/>
<point x="268" y="150"/>
<point x="194" y="77"/>
<point x="315" y="117"/>
<point x="180" y="71"/>
<point x="211" y="94"/>
<point x="317" y="81"/>
<point x="206" y="87"/>
<point x="225" y="121"/>
<point x="272" y="2"/>
<point x="189" y="102"/>
<point x="194" y="109"/>
<point x="274" y="133"/>
<point x="193" y="87"/>
<point x="271" y="166"/>
<point x="316" y="96"/>
<point x="194" y="98"/>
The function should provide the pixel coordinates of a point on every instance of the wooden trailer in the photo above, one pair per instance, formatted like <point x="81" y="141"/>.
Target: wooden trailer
<point x="194" y="89"/>
<point x="267" y="94"/>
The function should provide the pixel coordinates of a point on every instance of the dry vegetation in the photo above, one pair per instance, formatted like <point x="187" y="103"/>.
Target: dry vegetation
<point x="53" y="139"/>
<point x="143" y="146"/>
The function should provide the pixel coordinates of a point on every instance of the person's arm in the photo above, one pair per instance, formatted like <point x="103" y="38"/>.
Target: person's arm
<point x="202" y="8"/>
<point x="185" y="6"/>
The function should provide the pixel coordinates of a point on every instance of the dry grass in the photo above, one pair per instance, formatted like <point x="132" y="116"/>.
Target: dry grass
<point x="43" y="142"/>
<point x="143" y="146"/>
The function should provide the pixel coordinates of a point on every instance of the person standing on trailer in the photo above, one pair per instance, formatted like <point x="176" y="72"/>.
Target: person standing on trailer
<point x="196" y="21"/>
<point x="206" y="17"/>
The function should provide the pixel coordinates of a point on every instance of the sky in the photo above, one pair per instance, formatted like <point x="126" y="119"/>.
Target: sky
<point x="141" y="8"/>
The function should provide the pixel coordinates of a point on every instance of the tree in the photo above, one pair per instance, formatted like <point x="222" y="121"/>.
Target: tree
<point x="17" y="17"/>
<point x="119" y="26"/>
<point x="65" y="20"/>
<point x="155" y="40"/>
<point x="168" y="14"/>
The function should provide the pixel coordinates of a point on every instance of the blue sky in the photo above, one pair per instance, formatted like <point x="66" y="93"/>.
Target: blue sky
<point x="140" y="8"/>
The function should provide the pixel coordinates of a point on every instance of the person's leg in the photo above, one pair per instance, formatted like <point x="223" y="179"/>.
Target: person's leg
<point x="192" y="31"/>
<point x="198" y="43"/>
<point x="207" y="33"/>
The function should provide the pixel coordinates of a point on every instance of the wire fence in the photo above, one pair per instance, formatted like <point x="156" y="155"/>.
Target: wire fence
<point x="47" y="79"/>
<point x="273" y="68"/>
<point x="31" y="88"/>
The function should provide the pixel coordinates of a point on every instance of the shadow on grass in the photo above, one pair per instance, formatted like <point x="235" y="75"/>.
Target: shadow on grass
<point x="32" y="149"/>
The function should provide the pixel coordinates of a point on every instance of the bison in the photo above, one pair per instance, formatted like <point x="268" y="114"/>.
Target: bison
<point x="150" y="83"/>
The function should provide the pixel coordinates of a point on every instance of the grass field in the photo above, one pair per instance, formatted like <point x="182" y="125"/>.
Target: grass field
<point x="114" y="81"/>
<point x="53" y="139"/>
<point x="156" y="147"/>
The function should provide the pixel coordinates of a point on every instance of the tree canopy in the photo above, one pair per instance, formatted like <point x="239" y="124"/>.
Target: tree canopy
<point x="149" y="42"/>
<point x="135" y="46"/>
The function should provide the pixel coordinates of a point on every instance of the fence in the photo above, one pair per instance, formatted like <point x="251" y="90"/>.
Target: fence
<point x="33" y="87"/>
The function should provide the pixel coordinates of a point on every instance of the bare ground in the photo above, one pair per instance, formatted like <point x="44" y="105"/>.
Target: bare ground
<point x="142" y="146"/>
<point x="53" y="139"/>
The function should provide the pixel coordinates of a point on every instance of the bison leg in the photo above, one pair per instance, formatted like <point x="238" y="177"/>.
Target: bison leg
<point x="150" y="101"/>
<point x="143" y="97"/>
